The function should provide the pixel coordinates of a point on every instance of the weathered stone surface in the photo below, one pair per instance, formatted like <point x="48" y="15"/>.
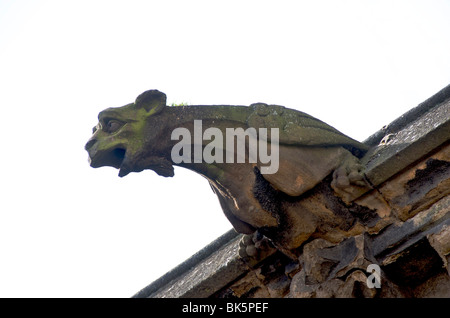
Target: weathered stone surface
<point x="440" y="241"/>
<point x="395" y="214"/>
<point x="208" y="276"/>
<point x="382" y="215"/>
<point x="436" y="287"/>
<point x="305" y="152"/>
<point x="401" y="235"/>
<point x="279" y="287"/>
<point x="414" y="251"/>
<point x="413" y="265"/>
<point x="420" y="185"/>
<point x="402" y="148"/>
<point x="255" y="247"/>
<point x="320" y="214"/>
<point x="270" y="279"/>
<point x="248" y="287"/>
<point x="354" y="285"/>
<point x="338" y="270"/>
<point x="407" y="118"/>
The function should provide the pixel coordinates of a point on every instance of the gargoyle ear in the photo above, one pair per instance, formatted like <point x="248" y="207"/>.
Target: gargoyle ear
<point x="153" y="101"/>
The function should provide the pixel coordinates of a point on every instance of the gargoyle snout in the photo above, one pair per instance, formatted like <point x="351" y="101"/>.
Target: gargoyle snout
<point x="90" y="143"/>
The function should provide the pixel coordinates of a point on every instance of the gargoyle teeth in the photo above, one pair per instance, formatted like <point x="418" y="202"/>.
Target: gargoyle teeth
<point x="123" y="171"/>
<point x="124" y="166"/>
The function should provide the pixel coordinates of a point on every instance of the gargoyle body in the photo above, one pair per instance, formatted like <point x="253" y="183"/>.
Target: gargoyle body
<point x="141" y="136"/>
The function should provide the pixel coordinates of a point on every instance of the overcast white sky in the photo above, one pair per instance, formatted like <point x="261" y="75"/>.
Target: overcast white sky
<point x="67" y="230"/>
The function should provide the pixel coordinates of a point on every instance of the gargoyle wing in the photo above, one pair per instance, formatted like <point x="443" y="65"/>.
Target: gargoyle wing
<point x="301" y="129"/>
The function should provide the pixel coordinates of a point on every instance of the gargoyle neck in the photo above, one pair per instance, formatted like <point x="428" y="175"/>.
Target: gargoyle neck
<point x="214" y="115"/>
<point x="194" y="127"/>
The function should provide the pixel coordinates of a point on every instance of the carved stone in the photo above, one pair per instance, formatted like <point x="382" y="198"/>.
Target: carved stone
<point x="334" y="212"/>
<point x="315" y="161"/>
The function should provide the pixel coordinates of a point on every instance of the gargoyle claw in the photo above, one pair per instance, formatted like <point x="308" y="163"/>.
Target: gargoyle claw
<point x="348" y="180"/>
<point x="254" y="247"/>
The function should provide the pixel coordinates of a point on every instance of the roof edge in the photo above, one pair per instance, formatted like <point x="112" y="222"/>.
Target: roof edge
<point x="187" y="264"/>
<point x="402" y="121"/>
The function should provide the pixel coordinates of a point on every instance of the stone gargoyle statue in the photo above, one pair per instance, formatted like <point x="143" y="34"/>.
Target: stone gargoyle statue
<point x="262" y="161"/>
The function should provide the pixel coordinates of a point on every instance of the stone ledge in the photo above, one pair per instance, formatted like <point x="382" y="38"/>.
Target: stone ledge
<point x="400" y="149"/>
<point x="209" y="275"/>
<point x="408" y="117"/>
<point x="397" y="238"/>
<point x="192" y="275"/>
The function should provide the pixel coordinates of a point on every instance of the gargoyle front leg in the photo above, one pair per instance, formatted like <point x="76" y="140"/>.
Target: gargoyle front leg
<point x="349" y="181"/>
<point x="254" y="247"/>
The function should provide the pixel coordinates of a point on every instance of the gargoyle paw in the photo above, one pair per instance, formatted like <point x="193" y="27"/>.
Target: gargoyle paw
<point x="349" y="181"/>
<point x="255" y="247"/>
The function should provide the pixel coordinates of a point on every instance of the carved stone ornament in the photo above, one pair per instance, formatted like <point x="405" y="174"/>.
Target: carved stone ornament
<point x="321" y="215"/>
<point x="313" y="161"/>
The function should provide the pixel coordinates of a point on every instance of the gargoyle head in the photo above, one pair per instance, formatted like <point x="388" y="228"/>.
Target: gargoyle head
<point x="119" y="138"/>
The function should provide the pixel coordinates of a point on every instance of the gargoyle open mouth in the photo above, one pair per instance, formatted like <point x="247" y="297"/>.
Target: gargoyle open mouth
<point x="117" y="157"/>
<point x="113" y="158"/>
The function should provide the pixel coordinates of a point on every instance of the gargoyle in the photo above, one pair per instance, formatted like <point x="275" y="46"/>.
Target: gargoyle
<point x="304" y="151"/>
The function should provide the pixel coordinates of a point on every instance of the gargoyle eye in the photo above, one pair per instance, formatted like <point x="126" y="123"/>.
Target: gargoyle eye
<point x="96" y="128"/>
<point x="112" y="126"/>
